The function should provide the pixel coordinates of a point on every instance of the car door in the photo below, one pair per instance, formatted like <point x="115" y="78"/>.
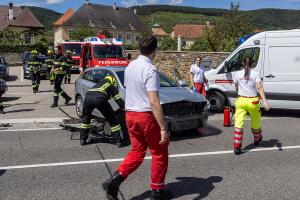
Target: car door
<point x="87" y="82"/>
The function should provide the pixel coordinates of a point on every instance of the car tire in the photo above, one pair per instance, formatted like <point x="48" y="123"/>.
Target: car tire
<point x="79" y="106"/>
<point x="217" y="101"/>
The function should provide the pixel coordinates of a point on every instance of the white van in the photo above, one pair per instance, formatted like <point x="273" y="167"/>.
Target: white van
<point x="276" y="56"/>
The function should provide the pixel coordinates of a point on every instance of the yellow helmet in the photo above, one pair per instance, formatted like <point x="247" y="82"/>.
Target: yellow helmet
<point x="34" y="52"/>
<point x="50" y="52"/>
<point x="111" y="79"/>
<point x="68" y="52"/>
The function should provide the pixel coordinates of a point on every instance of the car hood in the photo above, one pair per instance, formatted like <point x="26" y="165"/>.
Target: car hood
<point x="175" y="94"/>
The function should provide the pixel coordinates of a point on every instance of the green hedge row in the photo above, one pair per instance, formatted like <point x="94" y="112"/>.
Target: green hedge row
<point x="40" y="47"/>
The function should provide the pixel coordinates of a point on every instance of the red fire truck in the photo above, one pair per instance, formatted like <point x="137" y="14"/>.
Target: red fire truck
<point x="101" y="51"/>
<point x="75" y="48"/>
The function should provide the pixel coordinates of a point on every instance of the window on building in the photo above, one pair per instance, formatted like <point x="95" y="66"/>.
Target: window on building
<point x="71" y="33"/>
<point x="128" y="38"/>
<point x="28" y="38"/>
<point x="137" y="37"/>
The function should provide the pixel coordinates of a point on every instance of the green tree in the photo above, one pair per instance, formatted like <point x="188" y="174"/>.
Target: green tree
<point x="227" y="30"/>
<point x="167" y="43"/>
<point x="83" y="32"/>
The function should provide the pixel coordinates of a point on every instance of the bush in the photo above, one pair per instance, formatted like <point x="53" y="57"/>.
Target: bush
<point x="131" y="47"/>
<point x="40" y="47"/>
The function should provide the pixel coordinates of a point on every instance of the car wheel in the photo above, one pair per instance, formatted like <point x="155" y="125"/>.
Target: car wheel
<point x="217" y="101"/>
<point x="79" y="106"/>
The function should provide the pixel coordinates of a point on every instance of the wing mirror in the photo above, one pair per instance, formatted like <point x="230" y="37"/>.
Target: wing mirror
<point x="182" y="83"/>
<point x="226" y="66"/>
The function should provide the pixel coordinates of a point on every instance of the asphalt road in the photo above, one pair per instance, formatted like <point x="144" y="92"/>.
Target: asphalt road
<point x="201" y="165"/>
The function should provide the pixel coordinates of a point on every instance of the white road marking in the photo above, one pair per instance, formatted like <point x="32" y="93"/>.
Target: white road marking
<point x="147" y="158"/>
<point x="32" y="120"/>
<point x="32" y="129"/>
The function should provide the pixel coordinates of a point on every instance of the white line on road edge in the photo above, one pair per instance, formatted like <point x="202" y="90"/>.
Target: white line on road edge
<point x="32" y="120"/>
<point x="32" y="129"/>
<point x="147" y="158"/>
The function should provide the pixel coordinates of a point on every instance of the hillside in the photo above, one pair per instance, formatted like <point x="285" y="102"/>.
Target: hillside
<point x="167" y="16"/>
<point x="46" y="16"/>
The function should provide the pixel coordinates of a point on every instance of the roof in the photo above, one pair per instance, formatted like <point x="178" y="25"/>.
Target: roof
<point x="64" y="17"/>
<point x="22" y="17"/>
<point x="190" y="31"/>
<point x="159" y="32"/>
<point x="105" y="17"/>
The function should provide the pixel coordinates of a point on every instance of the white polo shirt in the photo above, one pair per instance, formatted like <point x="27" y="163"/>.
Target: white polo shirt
<point x="140" y="77"/>
<point x="247" y="88"/>
<point x="198" y="72"/>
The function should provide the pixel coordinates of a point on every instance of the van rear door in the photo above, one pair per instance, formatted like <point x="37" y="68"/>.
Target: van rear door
<point x="282" y="74"/>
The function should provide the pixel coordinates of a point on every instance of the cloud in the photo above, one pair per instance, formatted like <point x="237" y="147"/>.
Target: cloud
<point x="54" y="1"/>
<point x="175" y="2"/>
<point x="129" y="3"/>
<point x="151" y="2"/>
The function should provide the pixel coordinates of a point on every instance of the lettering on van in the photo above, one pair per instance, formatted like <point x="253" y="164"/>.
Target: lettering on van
<point x="113" y="62"/>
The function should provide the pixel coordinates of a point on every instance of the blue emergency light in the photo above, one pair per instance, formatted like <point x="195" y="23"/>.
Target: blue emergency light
<point x="93" y="39"/>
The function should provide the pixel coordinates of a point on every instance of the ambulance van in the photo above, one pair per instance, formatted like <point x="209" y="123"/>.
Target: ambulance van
<point x="276" y="56"/>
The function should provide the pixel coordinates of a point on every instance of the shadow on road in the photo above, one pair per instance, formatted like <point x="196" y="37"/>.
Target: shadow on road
<point x="6" y="99"/>
<point x="12" y="78"/>
<point x="2" y="171"/>
<point x="206" y="131"/>
<point x="281" y="113"/>
<point x="188" y="186"/>
<point x="266" y="144"/>
<point x="20" y="110"/>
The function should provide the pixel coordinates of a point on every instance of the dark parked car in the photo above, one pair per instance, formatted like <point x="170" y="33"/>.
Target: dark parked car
<point x="183" y="109"/>
<point x="43" y="68"/>
<point x="4" y="69"/>
<point x="3" y="86"/>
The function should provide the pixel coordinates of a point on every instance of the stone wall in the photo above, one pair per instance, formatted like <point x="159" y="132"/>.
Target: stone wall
<point x="165" y="61"/>
<point x="168" y="60"/>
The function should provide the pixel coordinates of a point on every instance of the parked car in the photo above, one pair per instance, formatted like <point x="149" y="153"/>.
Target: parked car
<point x="183" y="109"/>
<point x="4" y="69"/>
<point x="3" y="86"/>
<point x="43" y="70"/>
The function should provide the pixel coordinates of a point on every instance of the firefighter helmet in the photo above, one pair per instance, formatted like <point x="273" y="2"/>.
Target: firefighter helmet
<point x="111" y="79"/>
<point x="68" y="52"/>
<point x="34" y="52"/>
<point x="50" y="52"/>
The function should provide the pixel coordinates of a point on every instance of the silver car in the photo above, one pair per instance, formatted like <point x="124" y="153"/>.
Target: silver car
<point x="183" y="109"/>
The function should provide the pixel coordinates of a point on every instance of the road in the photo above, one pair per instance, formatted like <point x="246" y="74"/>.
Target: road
<point x="38" y="160"/>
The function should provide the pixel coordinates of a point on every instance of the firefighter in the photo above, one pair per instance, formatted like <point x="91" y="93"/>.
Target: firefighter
<point x="49" y="63"/>
<point x="97" y="97"/>
<point x="1" y="104"/>
<point x="59" y="64"/>
<point x="70" y="63"/>
<point x="248" y="83"/>
<point x="34" y="64"/>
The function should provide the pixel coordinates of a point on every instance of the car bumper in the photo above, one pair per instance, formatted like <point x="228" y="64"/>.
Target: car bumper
<point x="182" y="123"/>
<point x="75" y="69"/>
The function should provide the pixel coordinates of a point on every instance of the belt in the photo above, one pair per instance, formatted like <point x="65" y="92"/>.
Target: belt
<point x="248" y="97"/>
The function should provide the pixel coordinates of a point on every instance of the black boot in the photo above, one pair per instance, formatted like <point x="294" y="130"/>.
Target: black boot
<point x="111" y="186"/>
<point x="55" y="102"/>
<point x="66" y="97"/>
<point x="2" y="111"/>
<point x="160" y="195"/>
<point x="237" y="151"/>
<point x="118" y="139"/>
<point x="84" y="133"/>
<point x="256" y="142"/>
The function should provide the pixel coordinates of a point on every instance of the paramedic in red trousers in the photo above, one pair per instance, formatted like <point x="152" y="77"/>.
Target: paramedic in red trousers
<point x="197" y="76"/>
<point x="145" y="122"/>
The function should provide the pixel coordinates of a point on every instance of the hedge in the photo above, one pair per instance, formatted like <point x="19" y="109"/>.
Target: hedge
<point x="40" y="47"/>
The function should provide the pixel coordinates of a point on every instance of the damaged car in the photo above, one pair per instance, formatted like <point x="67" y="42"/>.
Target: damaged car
<point x="183" y="109"/>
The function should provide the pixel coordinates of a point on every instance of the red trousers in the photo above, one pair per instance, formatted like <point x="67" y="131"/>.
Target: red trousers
<point x="144" y="132"/>
<point x="200" y="88"/>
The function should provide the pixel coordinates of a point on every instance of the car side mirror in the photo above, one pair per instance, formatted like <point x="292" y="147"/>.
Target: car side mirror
<point x="226" y="66"/>
<point x="182" y="83"/>
<point x="129" y="56"/>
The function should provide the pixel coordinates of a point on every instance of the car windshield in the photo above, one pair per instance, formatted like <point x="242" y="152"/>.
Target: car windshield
<point x="109" y="51"/>
<point x="74" y="48"/>
<point x="164" y="81"/>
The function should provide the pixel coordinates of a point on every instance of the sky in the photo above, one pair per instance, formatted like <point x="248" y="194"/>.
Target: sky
<point x="63" y="5"/>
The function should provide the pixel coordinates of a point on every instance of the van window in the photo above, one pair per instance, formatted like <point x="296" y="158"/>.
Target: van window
<point x="236" y="62"/>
